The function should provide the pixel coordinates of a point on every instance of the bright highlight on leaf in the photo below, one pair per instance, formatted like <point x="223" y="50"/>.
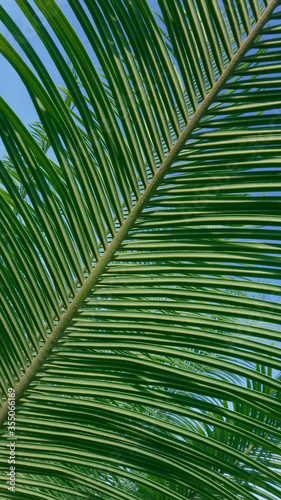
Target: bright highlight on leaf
<point x="140" y="252"/>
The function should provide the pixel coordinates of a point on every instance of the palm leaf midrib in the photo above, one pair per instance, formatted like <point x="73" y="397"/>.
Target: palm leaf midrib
<point x="117" y="240"/>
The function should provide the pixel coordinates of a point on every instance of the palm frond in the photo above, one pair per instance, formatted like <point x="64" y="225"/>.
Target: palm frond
<point x="141" y="258"/>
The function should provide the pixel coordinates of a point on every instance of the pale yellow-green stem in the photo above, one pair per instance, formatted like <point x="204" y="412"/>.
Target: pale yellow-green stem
<point x="106" y="258"/>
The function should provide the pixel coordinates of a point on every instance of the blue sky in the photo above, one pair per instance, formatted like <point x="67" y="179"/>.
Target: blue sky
<point x="11" y="86"/>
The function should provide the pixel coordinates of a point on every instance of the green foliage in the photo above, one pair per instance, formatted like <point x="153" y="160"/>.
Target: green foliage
<point x="140" y="253"/>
